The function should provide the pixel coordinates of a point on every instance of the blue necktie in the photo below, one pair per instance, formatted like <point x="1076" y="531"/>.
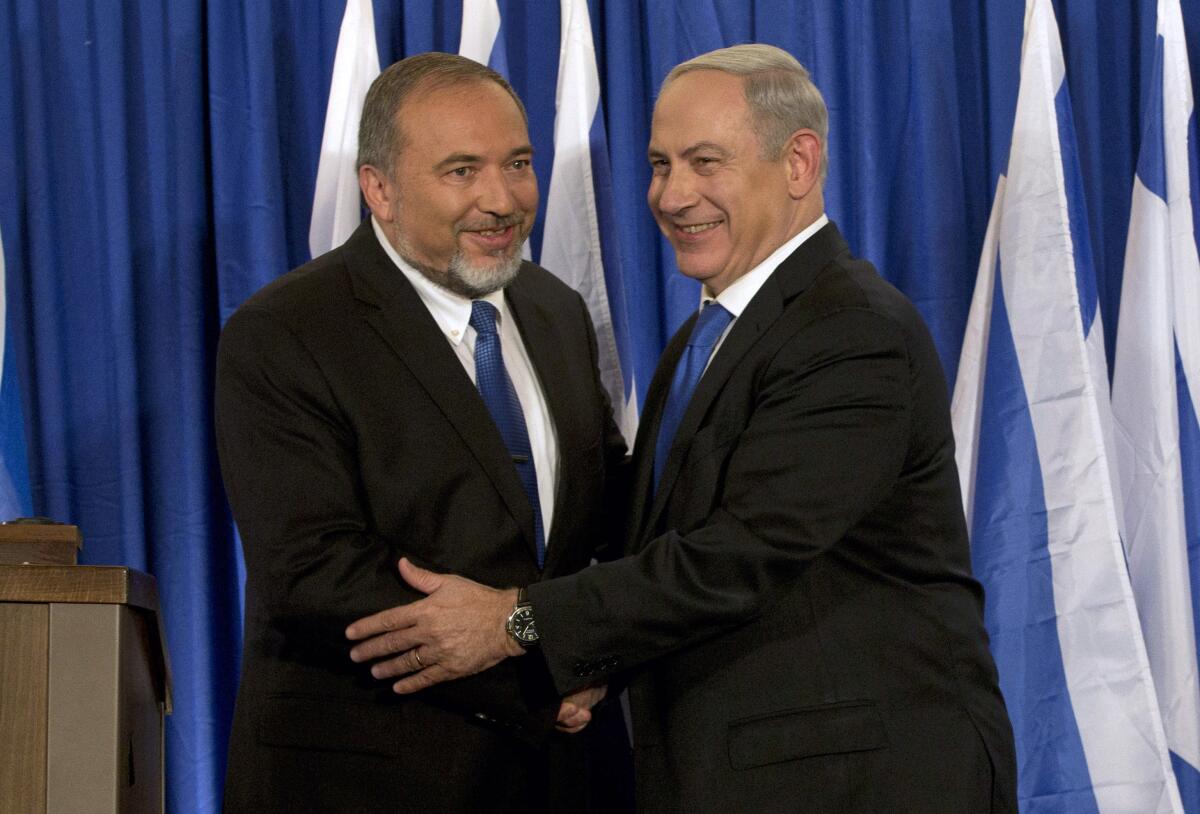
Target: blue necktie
<point x="501" y="399"/>
<point x="709" y="326"/>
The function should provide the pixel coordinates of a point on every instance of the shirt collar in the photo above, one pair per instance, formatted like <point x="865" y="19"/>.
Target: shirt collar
<point x="737" y="296"/>
<point x="451" y="312"/>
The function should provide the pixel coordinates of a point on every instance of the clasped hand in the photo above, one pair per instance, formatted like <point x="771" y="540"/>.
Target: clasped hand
<point x="457" y="630"/>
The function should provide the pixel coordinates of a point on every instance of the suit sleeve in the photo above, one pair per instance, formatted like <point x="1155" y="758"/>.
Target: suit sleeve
<point x="289" y="461"/>
<point x="826" y="439"/>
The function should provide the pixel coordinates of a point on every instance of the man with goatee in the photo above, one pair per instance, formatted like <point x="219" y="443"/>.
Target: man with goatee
<point x="418" y="392"/>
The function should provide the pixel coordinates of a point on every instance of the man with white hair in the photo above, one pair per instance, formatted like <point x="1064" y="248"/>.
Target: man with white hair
<point x="795" y="614"/>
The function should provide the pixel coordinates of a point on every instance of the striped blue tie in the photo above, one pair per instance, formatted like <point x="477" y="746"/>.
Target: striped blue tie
<point x="498" y="393"/>
<point x="709" y="326"/>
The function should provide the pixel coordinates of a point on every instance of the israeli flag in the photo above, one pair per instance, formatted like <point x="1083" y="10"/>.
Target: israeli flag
<point x="336" y="209"/>
<point x="480" y="39"/>
<point x="1030" y="423"/>
<point x="579" y="237"/>
<point x="579" y="243"/>
<point x="14" y="466"/>
<point x="1156" y="387"/>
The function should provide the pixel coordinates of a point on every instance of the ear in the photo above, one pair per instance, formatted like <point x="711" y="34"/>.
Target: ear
<point x="803" y="156"/>
<point x="379" y="193"/>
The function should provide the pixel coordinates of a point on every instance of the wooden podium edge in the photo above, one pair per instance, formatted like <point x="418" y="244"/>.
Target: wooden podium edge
<point x="93" y="584"/>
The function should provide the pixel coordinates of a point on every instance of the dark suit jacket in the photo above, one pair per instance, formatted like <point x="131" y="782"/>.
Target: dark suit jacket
<point x="350" y="435"/>
<point x="798" y="609"/>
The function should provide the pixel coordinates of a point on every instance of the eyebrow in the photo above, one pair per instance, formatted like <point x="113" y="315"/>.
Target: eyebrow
<point x="692" y="150"/>
<point x="471" y="158"/>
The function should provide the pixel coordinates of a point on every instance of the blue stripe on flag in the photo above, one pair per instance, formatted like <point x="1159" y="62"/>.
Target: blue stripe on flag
<point x="498" y="60"/>
<point x="1189" y="464"/>
<point x="14" y="463"/>
<point x="1152" y="161"/>
<point x="520" y="55"/>
<point x="1009" y="554"/>
<point x="1188" y="780"/>
<point x="1085" y="274"/>
<point x="14" y="466"/>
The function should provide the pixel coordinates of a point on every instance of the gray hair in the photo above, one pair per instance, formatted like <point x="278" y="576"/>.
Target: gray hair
<point x="380" y="137"/>
<point x="779" y="92"/>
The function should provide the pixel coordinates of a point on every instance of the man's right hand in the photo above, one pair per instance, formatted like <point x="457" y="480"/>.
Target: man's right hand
<point x="456" y="630"/>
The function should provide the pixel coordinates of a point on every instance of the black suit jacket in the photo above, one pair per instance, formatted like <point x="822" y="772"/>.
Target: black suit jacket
<point x="797" y="607"/>
<point x="350" y="435"/>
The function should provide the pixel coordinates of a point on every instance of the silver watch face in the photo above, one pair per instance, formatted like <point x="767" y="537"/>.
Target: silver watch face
<point x="521" y="626"/>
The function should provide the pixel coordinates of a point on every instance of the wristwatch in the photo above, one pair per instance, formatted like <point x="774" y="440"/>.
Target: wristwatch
<point x="520" y="622"/>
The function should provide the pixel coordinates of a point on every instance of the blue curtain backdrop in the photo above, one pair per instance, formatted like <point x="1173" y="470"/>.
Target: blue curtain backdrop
<point x="157" y="162"/>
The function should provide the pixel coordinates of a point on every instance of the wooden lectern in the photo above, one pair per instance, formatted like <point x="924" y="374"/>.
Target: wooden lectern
<point x="84" y="680"/>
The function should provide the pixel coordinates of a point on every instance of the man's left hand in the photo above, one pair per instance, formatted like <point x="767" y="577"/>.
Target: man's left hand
<point x="455" y="631"/>
<point x="575" y="710"/>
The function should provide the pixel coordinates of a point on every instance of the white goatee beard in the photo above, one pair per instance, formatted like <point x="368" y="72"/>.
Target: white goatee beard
<point x="464" y="277"/>
<point x="474" y="281"/>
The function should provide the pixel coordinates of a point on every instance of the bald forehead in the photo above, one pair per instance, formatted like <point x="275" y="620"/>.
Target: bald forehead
<point x="701" y="78"/>
<point x="448" y="87"/>
<point x="696" y="102"/>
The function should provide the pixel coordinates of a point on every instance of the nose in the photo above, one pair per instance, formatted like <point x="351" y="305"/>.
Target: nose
<point x="673" y="192"/>
<point x="496" y="195"/>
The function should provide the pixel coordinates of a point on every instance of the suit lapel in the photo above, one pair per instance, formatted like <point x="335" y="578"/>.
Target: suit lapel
<point x="762" y="311"/>
<point x="793" y="276"/>
<point x="396" y="312"/>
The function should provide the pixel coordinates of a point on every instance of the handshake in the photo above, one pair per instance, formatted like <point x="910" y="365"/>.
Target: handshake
<point x="460" y="628"/>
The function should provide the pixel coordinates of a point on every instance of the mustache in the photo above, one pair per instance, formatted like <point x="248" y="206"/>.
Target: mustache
<point x="492" y="223"/>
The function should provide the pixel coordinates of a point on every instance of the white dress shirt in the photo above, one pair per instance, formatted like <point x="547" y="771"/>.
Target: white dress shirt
<point x="452" y="313"/>
<point x="737" y="296"/>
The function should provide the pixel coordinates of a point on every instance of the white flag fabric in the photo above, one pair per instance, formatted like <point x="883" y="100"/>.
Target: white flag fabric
<point x="336" y="209"/>
<point x="480" y="29"/>
<point x="1029" y="411"/>
<point x="1156" y="384"/>
<point x="571" y="245"/>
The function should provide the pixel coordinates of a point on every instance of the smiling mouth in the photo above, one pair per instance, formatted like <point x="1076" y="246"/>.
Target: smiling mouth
<point x="495" y="236"/>
<point x="491" y="232"/>
<point x="697" y="228"/>
<point x="495" y="239"/>
<point x="498" y="226"/>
